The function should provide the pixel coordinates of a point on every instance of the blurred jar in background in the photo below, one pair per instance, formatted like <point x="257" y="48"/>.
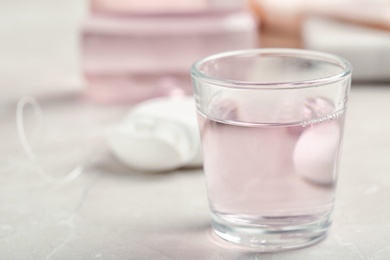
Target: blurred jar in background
<point x="358" y="30"/>
<point x="132" y="50"/>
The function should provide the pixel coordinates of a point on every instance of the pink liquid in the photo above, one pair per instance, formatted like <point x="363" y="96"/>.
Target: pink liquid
<point x="257" y="171"/>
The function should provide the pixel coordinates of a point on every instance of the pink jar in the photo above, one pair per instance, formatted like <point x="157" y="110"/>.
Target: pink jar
<point x="134" y="53"/>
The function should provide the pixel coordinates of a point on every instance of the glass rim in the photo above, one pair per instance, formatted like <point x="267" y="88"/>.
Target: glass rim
<point x="346" y="69"/>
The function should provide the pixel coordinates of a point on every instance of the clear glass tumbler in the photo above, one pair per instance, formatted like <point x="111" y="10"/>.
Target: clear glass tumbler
<point x="271" y="123"/>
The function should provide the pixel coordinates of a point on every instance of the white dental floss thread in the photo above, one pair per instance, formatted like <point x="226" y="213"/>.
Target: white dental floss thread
<point x="27" y="147"/>
<point x="171" y="141"/>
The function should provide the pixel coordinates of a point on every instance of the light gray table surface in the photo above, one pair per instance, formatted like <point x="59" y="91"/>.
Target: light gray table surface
<point x="112" y="212"/>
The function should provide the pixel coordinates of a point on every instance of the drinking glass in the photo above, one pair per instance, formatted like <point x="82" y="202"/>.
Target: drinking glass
<point x="271" y="123"/>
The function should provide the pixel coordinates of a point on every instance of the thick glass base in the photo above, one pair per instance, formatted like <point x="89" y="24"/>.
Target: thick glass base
<point x="270" y="234"/>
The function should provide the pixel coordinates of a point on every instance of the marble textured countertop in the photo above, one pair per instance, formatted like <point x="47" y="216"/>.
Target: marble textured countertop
<point x="112" y="212"/>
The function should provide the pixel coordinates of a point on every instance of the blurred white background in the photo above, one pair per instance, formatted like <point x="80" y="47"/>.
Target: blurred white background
<point x="39" y="39"/>
<point x="39" y="46"/>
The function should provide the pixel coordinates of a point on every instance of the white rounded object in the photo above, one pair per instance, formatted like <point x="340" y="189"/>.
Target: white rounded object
<point x="159" y="135"/>
<point x="315" y="152"/>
